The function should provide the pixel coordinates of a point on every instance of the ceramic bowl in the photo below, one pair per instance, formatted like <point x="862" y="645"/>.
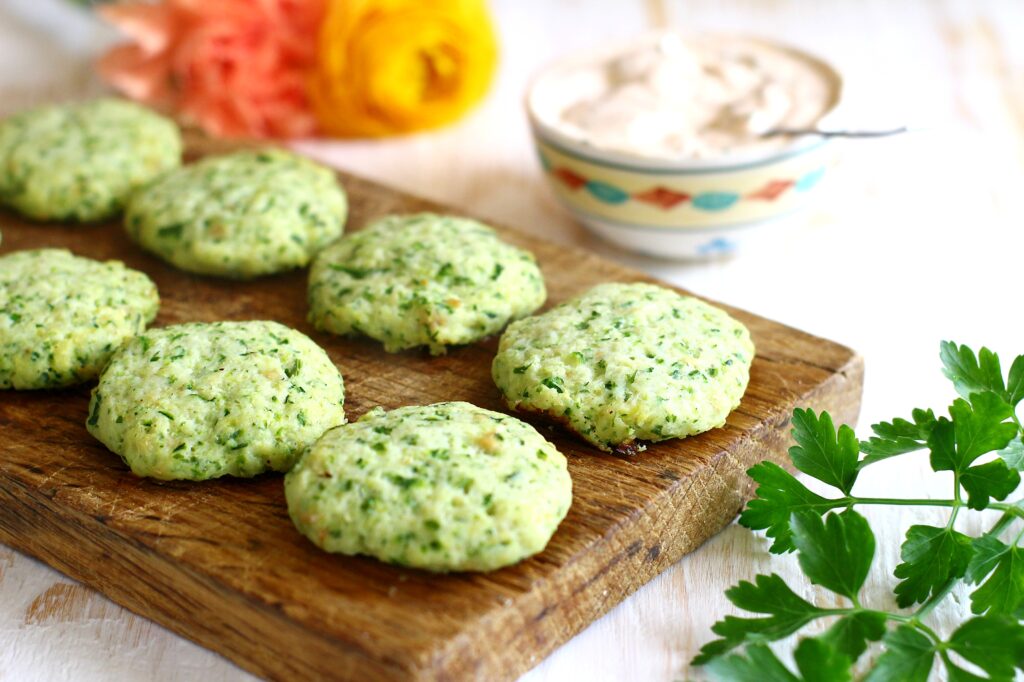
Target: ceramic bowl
<point x="682" y="209"/>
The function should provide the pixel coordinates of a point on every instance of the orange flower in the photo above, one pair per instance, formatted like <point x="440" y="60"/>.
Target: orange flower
<point x="234" y="67"/>
<point x="393" y="66"/>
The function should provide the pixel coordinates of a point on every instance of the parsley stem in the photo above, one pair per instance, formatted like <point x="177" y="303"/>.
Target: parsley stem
<point x="901" y="502"/>
<point x="936" y="598"/>
<point x="895" y="617"/>
<point x="945" y="658"/>
<point x="921" y="627"/>
<point x="848" y="611"/>
<point x="914" y="620"/>
<point x="1014" y="509"/>
<point x="1005" y="520"/>
<point x="956" y="498"/>
<point x="941" y="593"/>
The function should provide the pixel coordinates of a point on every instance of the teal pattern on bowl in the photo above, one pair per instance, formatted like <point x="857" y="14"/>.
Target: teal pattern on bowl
<point x="666" y="199"/>
<point x="692" y="211"/>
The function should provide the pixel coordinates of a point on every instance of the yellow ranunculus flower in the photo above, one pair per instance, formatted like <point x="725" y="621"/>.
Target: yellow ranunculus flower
<point x="394" y="66"/>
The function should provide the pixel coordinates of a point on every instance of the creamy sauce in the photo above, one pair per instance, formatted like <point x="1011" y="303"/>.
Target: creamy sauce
<point x="701" y="98"/>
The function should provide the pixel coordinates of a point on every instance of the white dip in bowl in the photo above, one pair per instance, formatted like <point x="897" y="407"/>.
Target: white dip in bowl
<point x="664" y="135"/>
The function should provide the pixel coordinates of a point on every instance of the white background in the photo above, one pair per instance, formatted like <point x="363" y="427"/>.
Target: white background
<point x="917" y="239"/>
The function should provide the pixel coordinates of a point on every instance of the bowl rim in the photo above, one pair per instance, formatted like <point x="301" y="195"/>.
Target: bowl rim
<point x="585" y="151"/>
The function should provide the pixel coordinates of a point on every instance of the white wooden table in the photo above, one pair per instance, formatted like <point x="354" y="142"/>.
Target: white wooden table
<point x="915" y="238"/>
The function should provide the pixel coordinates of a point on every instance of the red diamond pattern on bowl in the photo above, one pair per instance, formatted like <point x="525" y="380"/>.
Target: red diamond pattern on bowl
<point x="571" y="179"/>
<point x="772" y="190"/>
<point x="662" y="196"/>
<point x="666" y="199"/>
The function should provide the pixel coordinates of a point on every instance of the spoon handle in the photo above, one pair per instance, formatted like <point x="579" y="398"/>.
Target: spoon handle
<point x="777" y="132"/>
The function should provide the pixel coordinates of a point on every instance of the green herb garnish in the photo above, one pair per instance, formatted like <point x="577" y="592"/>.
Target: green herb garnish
<point x="171" y="231"/>
<point x="835" y="545"/>
<point x="353" y="272"/>
<point x="554" y="383"/>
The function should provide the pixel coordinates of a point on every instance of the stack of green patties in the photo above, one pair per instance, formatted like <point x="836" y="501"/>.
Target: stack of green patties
<point x="444" y="487"/>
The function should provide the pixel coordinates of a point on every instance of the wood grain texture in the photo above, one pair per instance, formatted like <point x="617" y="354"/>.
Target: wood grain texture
<point x="221" y="564"/>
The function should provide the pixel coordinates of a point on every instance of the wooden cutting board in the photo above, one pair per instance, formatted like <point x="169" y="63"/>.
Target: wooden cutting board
<point x="221" y="564"/>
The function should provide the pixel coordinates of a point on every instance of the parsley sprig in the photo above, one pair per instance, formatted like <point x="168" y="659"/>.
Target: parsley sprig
<point x="981" y="442"/>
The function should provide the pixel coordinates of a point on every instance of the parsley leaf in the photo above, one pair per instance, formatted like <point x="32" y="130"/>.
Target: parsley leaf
<point x="1003" y="592"/>
<point x="942" y="443"/>
<point x="1013" y="454"/>
<point x="836" y="548"/>
<point x="823" y="453"/>
<point x="908" y="657"/>
<point x="993" y="479"/>
<point x="898" y="437"/>
<point x="816" y="660"/>
<point x="988" y="550"/>
<point x="834" y="552"/>
<point x="931" y="557"/>
<point x="971" y="375"/>
<point x="1015" y="382"/>
<point x="759" y="665"/>
<point x="996" y="645"/>
<point x="977" y="428"/>
<point x="851" y="634"/>
<point x="958" y="674"/>
<point x="768" y="594"/>
<point x="979" y="425"/>
<point x="779" y="494"/>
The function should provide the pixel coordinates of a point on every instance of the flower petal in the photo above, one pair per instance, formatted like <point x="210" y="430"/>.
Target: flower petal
<point x="139" y="76"/>
<point x="151" y="27"/>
